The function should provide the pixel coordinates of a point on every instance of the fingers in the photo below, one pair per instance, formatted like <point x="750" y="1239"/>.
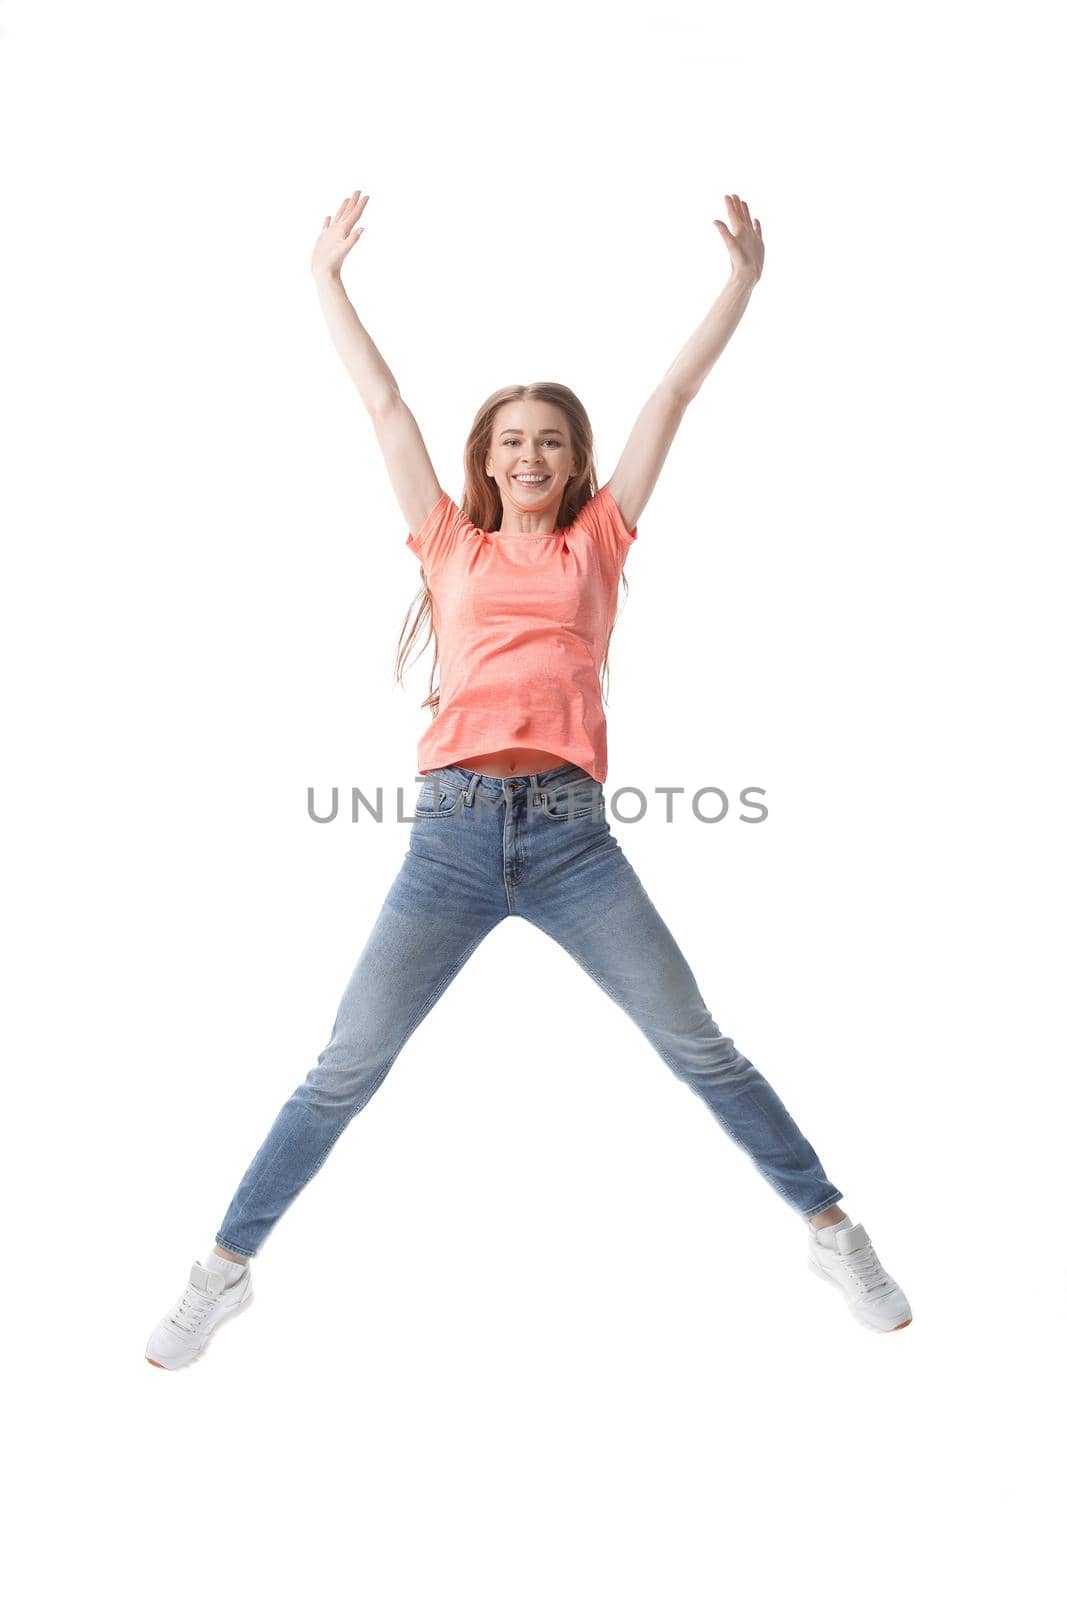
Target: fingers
<point x="738" y="210"/>
<point x="349" y="212"/>
<point x="354" y="214"/>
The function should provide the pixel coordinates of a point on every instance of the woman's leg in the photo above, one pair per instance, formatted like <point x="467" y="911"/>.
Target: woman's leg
<point x="598" y="910"/>
<point x="434" y="917"/>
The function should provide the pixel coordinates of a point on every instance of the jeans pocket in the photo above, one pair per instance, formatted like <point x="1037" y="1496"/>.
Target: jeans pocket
<point x="569" y="802"/>
<point x="437" y="798"/>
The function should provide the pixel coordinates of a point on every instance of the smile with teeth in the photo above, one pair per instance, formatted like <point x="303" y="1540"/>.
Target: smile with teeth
<point x="531" y="478"/>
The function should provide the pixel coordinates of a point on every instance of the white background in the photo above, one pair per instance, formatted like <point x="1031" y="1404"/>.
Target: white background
<point x="537" y="1328"/>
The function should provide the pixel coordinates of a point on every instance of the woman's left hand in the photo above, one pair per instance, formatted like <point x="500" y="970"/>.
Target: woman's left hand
<point x="746" y="244"/>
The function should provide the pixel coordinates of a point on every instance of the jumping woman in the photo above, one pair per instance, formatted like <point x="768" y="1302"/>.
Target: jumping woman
<point x="520" y="588"/>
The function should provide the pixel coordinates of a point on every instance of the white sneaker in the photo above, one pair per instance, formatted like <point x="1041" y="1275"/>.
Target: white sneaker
<point x="185" y="1331"/>
<point x="844" y="1255"/>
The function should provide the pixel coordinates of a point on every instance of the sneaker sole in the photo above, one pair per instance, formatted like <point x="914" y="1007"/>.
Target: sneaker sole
<point x="226" y="1317"/>
<point x="828" y="1277"/>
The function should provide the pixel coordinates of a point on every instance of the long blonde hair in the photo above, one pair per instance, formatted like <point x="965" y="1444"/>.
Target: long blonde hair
<point x="482" y="504"/>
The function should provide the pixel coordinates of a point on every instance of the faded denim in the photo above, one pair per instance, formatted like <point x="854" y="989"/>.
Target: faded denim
<point x="481" y="849"/>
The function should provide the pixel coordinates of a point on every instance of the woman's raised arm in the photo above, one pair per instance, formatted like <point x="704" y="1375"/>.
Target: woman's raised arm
<point x="407" y="460"/>
<point x="646" y="449"/>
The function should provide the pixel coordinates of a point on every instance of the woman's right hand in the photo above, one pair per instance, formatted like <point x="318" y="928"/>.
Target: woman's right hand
<point x="338" y="235"/>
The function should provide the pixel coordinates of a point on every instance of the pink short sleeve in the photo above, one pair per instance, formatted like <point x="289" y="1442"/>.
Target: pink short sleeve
<point x="443" y="529"/>
<point x="602" y="518"/>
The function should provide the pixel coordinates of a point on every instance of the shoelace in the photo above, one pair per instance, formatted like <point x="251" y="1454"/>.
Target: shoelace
<point x="867" y="1269"/>
<point x="189" y="1312"/>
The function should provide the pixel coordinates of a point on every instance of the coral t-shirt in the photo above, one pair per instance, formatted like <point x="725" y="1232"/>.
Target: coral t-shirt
<point x="522" y="623"/>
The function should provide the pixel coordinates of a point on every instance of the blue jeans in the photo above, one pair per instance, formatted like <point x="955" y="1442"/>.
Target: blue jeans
<point x="481" y="849"/>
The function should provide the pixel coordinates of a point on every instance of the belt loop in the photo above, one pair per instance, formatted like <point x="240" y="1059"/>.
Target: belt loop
<point x="468" y="798"/>
<point x="535" y="790"/>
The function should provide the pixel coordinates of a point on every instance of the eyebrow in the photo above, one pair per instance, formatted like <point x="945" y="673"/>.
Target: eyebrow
<point x="540" y="430"/>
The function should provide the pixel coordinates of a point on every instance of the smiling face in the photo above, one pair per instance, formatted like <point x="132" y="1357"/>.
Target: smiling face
<point x="530" y="457"/>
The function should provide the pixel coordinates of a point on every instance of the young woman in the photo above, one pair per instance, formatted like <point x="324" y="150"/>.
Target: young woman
<point x="520" y="584"/>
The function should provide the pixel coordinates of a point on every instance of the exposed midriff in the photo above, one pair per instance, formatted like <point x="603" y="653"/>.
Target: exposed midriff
<point x="517" y="763"/>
